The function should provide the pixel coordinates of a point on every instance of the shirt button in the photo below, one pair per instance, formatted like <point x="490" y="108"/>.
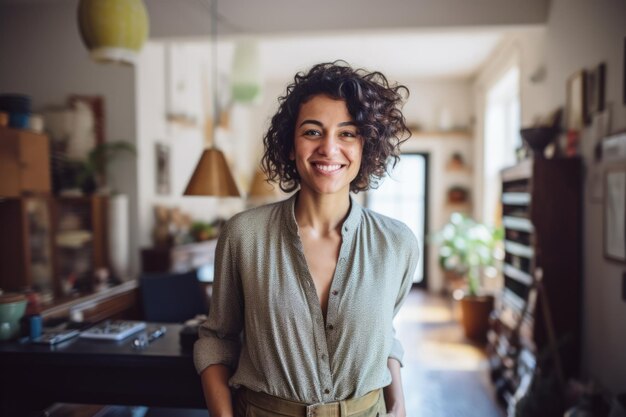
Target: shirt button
<point x="326" y="391"/>
<point x="331" y="327"/>
<point x="335" y="292"/>
<point x="323" y="356"/>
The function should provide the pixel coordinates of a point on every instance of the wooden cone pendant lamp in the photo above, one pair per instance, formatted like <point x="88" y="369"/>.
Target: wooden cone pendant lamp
<point x="212" y="177"/>
<point x="260" y="188"/>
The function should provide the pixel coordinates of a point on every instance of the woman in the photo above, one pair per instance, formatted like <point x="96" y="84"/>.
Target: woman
<point x="306" y="289"/>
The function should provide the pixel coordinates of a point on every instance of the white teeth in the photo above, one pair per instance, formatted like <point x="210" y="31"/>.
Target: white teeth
<point x="328" y="168"/>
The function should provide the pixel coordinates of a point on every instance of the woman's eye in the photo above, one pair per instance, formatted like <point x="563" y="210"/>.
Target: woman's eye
<point x="311" y="132"/>
<point x="348" y="134"/>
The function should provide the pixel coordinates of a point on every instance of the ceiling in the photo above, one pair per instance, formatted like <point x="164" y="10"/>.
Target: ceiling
<point x="417" y="38"/>
<point x="401" y="38"/>
<point x="401" y="55"/>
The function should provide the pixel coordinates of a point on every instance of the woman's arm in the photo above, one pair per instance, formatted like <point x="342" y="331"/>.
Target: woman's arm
<point x="216" y="390"/>
<point x="394" y="396"/>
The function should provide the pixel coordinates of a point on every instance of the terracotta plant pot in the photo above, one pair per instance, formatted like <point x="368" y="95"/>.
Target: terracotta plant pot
<point x="475" y="311"/>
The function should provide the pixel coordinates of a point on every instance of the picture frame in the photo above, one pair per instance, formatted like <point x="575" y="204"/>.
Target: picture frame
<point x="577" y="113"/>
<point x="162" y="169"/>
<point x="615" y="213"/>
<point x="596" y="89"/>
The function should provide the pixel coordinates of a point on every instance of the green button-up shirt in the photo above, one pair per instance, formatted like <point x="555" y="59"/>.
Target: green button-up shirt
<point x="263" y="287"/>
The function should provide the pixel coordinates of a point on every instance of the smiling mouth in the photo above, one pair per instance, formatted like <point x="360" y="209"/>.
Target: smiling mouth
<point x="328" y="168"/>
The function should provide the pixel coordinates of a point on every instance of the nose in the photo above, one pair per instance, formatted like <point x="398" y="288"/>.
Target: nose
<point x="328" y="145"/>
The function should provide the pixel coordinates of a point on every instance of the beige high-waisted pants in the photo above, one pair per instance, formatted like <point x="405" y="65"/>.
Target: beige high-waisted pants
<point x="254" y="404"/>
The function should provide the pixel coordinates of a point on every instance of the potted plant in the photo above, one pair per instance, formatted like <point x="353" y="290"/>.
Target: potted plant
<point x="470" y="250"/>
<point x="92" y="173"/>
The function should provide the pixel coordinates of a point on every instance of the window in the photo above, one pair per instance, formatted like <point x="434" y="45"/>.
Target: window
<point x="403" y="196"/>
<point x="502" y="124"/>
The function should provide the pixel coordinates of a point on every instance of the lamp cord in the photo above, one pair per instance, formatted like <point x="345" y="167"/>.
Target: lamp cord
<point x="215" y="70"/>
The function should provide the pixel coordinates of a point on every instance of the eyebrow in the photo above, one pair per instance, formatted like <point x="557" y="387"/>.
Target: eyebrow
<point x="317" y="123"/>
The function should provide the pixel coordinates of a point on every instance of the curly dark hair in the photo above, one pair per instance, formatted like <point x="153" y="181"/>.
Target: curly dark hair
<point x="373" y="103"/>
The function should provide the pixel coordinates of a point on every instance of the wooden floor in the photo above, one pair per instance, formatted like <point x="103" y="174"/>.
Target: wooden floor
<point x="444" y="375"/>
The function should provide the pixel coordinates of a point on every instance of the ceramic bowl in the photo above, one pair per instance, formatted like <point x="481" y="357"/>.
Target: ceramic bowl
<point x="12" y="308"/>
<point x="538" y="138"/>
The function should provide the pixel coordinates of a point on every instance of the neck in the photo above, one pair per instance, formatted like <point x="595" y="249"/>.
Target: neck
<point x="322" y="213"/>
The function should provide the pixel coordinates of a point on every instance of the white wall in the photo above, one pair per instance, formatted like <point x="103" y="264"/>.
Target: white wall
<point x="42" y="55"/>
<point x="579" y="34"/>
<point x="185" y="142"/>
<point x="429" y="97"/>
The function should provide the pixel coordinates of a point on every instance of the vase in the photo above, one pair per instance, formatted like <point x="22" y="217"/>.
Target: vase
<point x="475" y="311"/>
<point x="118" y="236"/>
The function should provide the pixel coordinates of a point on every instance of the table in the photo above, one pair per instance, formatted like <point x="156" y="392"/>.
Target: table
<point x="33" y="377"/>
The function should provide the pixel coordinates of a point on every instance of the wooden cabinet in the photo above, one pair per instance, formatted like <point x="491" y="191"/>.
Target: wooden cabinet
<point x="24" y="163"/>
<point x="80" y="241"/>
<point x="26" y="245"/>
<point x="541" y="214"/>
<point x="52" y="244"/>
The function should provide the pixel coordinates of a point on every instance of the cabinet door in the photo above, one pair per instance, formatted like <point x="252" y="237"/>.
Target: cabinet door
<point x="34" y="162"/>
<point x="80" y="242"/>
<point x="9" y="165"/>
<point x="26" y="246"/>
<point x="24" y="162"/>
<point x="39" y="246"/>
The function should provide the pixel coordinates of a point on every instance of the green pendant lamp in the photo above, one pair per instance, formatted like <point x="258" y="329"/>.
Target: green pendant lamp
<point x="113" y="30"/>
<point x="246" y="76"/>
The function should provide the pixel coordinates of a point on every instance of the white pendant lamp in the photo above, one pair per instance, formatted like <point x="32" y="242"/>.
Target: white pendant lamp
<point x="212" y="177"/>
<point x="113" y="30"/>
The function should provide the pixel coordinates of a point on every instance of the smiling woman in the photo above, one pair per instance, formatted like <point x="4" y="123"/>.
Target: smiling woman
<point x="373" y="106"/>
<point x="327" y="146"/>
<point x="314" y="282"/>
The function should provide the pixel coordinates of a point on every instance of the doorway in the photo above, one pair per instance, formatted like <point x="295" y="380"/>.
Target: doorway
<point x="403" y="195"/>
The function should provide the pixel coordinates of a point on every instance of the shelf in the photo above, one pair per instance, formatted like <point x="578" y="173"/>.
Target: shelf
<point x="521" y="171"/>
<point x="116" y="299"/>
<point x="462" y="134"/>
<point x="518" y="275"/>
<point x="516" y="199"/>
<point x="518" y="224"/>
<point x="518" y="249"/>
<point x="458" y="169"/>
<point x="513" y="300"/>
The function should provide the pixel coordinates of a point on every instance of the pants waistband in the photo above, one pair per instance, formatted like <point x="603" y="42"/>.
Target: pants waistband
<point x="296" y="409"/>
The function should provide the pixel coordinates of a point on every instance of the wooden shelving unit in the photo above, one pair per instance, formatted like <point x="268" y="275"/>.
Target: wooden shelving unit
<point x="541" y="214"/>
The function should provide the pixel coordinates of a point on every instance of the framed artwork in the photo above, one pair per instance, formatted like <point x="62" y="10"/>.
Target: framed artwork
<point x="577" y="114"/>
<point x="615" y="213"/>
<point x="162" y="168"/>
<point x="595" y="89"/>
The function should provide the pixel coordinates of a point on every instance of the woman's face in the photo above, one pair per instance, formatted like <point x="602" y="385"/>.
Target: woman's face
<point x="327" y="146"/>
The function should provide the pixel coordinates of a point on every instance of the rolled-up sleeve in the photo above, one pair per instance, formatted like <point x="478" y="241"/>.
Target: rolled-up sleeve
<point x="397" y="351"/>
<point x="219" y="336"/>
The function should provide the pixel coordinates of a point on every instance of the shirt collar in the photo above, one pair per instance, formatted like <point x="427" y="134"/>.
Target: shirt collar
<point x="349" y="225"/>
